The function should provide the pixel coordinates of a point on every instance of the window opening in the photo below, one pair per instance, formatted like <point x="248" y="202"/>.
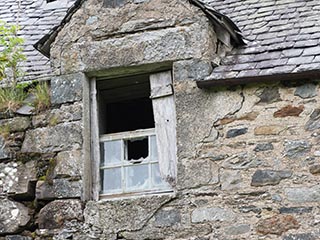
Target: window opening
<point x="129" y="161"/>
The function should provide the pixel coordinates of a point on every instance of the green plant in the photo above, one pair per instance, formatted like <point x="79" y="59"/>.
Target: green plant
<point x="11" y="99"/>
<point x="5" y="131"/>
<point x="42" y="96"/>
<point x="11" y="54"/>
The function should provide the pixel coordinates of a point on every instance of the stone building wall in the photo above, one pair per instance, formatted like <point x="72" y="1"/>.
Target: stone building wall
<point x="248" y="160"/>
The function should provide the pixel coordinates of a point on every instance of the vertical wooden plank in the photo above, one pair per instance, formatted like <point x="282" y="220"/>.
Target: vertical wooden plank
<point x="95" y="148"/>
<point x="165" y="124"/>
<point x="86" y="149"/>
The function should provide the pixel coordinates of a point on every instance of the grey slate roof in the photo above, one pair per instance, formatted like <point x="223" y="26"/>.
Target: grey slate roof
<point x="284" y="38"/>
<point x="36" y="18"/>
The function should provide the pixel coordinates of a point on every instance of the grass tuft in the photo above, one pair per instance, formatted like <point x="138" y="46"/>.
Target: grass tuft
<point x="11" y="99"/>
<point x="42" y="97"/>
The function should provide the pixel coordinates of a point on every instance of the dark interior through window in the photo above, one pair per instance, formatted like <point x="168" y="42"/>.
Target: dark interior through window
<point x="128" y="115"/>
<point x="137" y="149"/>
<point x="124" y="105"/>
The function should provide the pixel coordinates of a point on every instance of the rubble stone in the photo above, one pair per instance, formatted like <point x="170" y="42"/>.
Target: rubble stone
<point x="67" y="88"/>
<point x="303" y="194"/>
<point x="13" y="216"/>
<point x="306" y="91"/>
<point x="65" y="136"/>
<point x="269" y="177"/>
<point x="58" y="188"/>
<point x="296" y="148"/>
<point x="56" y="213"/>
<point x="277" y="224"/>
<point x="212" y="215"/>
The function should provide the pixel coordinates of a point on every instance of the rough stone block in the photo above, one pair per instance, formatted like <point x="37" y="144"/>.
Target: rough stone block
<point x="238" y="229"/>
<point x="56" y="213"/>
<point x="66" y="113"/>
<point x="269" y="95"/>
<point x="300" y="236"/>
<point x="269" y="177"/>
<point x="212" y="215"/>
<point x="130" y="213"/>
<point x="295" y="210"/>
<point x="18" y="179"/>
<point x="288" y="111"/>
<point x="236" y="132"/>
<point x="296" y="148"/>
<point x="303" y="194"/>
<point x="306" y="91"/>
<point x="231" y="180"/>
<point x="277" y="224"/>
<point x="4" y="150"/>
<point x="65" y="136"/>
<point x="194" y="173"/>
<point x="67" y="88"/>
<point x="144" y="47"/>
<point x="242" y="161"/>
<point x="268" y="130"/>
<point x="191" y="70"/>
<point x="17" y="124"/>
<point x="17" y="237"/>
<point x="314" y="121"/>
<point x="315" y="169"/>
<point x="261" y="147"/>
<point x="59" y="188"/>
<point x="13" y="216"/>
<point x="166" y="218"/>
<point x="68" y="164"/>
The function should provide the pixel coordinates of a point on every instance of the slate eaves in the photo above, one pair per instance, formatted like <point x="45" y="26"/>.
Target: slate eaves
<point x="284" y="39"/>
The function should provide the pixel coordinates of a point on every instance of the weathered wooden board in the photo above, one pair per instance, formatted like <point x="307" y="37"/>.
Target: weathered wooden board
<point x="165" y="124"/>
<point x="94" y="140"/>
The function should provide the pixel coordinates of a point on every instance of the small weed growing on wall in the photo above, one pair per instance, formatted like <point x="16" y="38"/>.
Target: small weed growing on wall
<point x="42" y="96"/>
<point x="11" y="99"/>
<point x="5" y="131"/>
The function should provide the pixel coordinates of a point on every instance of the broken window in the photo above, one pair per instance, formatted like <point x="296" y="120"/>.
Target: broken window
<point x="136" y="130"/>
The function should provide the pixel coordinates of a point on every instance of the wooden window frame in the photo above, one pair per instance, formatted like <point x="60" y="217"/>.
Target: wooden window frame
<point x="163" y="103"/>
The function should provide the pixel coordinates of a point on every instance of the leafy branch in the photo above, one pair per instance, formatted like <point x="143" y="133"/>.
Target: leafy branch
<point x="11" y="53"/>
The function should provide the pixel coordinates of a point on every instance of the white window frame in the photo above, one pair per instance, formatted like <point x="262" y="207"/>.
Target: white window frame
<point x="165" y="130"/>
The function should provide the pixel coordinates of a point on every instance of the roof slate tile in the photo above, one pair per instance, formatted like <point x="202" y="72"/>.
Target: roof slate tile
<point x="300" y="60"/>
<point x="293" y="36"/>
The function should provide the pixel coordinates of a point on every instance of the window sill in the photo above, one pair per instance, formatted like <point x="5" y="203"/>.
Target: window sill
<point x="134" y="195"/>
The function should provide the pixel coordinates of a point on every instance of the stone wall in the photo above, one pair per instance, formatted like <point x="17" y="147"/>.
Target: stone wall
<point x="248" y="160"/>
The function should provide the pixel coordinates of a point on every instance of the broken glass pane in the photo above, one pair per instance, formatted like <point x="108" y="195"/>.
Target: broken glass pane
<point x="137" y="177"/>
<point x="111" y="180"/>
<point x="110" y="152"/>
<point x="157" y="180"/>
<point x="137" y="150"/>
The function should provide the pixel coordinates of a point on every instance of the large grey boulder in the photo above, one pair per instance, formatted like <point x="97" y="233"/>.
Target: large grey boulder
<point x="56" y="213"/>
<point x="18" y="179"/>
<point x="13" y="216"/>
<point x="65" y="136"/>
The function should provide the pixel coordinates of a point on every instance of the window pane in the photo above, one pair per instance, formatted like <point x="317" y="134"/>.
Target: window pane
<point x="153" y="148"/>
<point x="137" y="149"/>
<point x="137" y="177"/>
<point x="111" y="180"/>
<point x="110" y="152"/>
<point x="157" y="181"/>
